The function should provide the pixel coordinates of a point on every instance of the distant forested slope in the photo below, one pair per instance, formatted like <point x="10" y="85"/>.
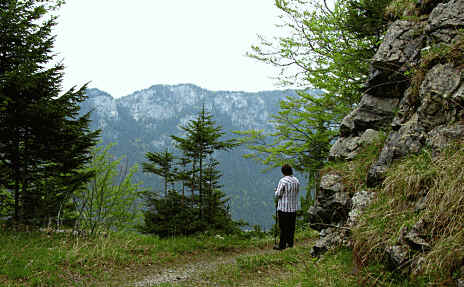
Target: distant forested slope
<point x="144" y="121"/>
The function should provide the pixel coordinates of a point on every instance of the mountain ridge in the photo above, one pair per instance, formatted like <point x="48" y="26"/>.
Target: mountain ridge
<point x="144" y="120"/>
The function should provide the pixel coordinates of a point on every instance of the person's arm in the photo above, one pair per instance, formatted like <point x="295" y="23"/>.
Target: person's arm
<point x="280" y="189"/>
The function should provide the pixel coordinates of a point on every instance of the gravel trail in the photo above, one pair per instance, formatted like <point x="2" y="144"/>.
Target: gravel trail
<point x="194" y="269"/>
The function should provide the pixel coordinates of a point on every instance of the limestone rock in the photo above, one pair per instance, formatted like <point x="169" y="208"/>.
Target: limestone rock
<point x="414" y="237"/>
<point x="371" y="113"/>
<point x="408" y="139"/>
<point x="399" y="51"/>
<point x="398" y="255"/>
<point x="439" y="103"/>
<point x="401" y="44"/>
<point x="348" y="148"/>
<point x="405" y="109"/>
<point x="359" y="201"/>
<point x="436" y="92"/>
<point x="445" y="20"/>
<point x="332" y="203"/>
<point x="332" y="182"/>
<point x="329" y="238"/>
<point x="441" y="136"/>
<point x="319" y="248"/>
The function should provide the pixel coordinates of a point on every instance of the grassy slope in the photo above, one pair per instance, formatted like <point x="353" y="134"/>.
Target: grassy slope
<point x="40" y="259"/>
<point x="440" y="179"/>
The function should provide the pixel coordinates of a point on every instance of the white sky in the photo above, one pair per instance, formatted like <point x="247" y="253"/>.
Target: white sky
<point x="122" y="46"/>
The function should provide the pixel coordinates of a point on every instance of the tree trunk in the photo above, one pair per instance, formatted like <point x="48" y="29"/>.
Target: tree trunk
<point x="200" y="190"/>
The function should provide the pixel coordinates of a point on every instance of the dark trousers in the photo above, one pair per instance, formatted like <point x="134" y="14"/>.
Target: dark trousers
<point x="287" y="221"/>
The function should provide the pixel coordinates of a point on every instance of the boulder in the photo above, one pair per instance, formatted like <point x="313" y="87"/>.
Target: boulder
<point x="438" y="92"/>
<point x="332" y="182"/>
<point x="406" y="109"/>
<point x="408" y="139"/>
<point x="439" y="102"/>
<point x="401" y="45"/>
<point x="440" y="136"/>
<point x="329" y="238"/>
<point x="319" y="248"/>
<point x="414" y="237"/>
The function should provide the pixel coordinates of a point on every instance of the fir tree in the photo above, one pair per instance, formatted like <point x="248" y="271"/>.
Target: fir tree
<point x="197" y="170"/>
<point x="202" y="139"/>
<point x="42" y="138"/>
<point x="161" y="163"/>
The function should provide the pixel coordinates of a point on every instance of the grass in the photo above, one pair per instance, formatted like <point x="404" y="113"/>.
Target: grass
<point x="440" y="179"/>
<point x="354" y="172"/>
<point x="59" y="259"/>
<point x="293" y="268"/>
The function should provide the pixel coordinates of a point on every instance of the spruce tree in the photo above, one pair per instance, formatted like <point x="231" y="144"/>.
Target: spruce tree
<point x="161" y="163"/>
<point x="202" y="139"/>
<point x="42" y="137"/>
<point x="198" y="170"/>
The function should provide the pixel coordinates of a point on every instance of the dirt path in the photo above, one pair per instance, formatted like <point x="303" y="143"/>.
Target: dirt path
<point x="192" y="270"/>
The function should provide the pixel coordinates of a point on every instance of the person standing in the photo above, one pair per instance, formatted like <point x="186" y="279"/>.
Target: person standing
<point x="287" y="193"/>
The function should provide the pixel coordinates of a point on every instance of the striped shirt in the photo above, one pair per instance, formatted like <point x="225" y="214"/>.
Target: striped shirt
<point x="287" y="192"/>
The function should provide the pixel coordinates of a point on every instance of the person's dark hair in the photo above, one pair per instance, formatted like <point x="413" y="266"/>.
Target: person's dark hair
<point x="287" y="169"/>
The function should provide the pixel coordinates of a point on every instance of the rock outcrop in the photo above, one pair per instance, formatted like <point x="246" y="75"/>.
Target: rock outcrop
<point x="428" y="114"/>
<point x="333" y="204"/>
<point x="415" y="95"/>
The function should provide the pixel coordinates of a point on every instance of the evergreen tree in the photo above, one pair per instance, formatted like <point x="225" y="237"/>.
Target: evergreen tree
<point x="161" y="163"/>
<point x="42" y="138"/>
<point x="198" y="170"/>
<point x="202" y="139"/>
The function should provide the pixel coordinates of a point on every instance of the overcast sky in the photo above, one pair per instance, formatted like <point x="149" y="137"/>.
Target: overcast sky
<point x="123" y="46"/>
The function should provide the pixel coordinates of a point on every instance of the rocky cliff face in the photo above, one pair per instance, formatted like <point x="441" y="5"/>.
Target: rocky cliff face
<point x="415" y="94"/>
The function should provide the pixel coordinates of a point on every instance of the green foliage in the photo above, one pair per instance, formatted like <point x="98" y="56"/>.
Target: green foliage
<point x="401" y="9"/>
<point x="354" y="172"/>
<point x="170" y="216"/>
<point x="109" y="200"/>
<point x="366" y="18"/>
<point x="329" y="48"/>
<point x="40" y="258"/>
<point x="160" y="163"/>
<point x="44" y="142"/>
<point x="303" y="130"/>
<point x="6" y="202"/>
<point x="438" y="179"/>
<point x="206" y="208"/>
